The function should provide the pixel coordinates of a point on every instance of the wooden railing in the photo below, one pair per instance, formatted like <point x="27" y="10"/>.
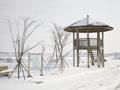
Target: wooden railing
<point x="83" y="43"/>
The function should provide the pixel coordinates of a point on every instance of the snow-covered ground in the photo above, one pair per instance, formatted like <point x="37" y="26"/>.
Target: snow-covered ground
<point x="73" y="78"/>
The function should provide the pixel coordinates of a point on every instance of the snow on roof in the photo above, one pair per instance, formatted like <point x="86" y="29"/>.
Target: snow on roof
<point x="88" y="21"/>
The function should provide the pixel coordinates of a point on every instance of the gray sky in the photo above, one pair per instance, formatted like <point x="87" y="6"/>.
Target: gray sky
<point x="62" y="12"/>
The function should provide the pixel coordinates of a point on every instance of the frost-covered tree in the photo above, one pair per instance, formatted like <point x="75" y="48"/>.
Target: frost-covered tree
<point x="24" y="30"/>
<point x="60" y="39"/>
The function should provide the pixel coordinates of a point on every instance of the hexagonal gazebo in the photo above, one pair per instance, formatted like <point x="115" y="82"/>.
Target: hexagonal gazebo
<point x="94" y="46"/>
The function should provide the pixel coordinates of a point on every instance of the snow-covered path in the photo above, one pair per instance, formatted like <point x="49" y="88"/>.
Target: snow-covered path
<point x="107" y="78"/>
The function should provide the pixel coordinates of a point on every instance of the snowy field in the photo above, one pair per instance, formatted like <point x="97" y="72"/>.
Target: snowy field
<point x="73" y="78"/>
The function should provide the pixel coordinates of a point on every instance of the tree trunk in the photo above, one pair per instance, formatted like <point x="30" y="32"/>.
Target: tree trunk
<point x="18" y="70"/>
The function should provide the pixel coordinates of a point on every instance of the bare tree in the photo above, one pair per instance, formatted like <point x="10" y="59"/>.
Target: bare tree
<point x="20" y="42"/>
<point x="60" y="39"/>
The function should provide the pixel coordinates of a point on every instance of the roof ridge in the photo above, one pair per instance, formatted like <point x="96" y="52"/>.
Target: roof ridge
<point x="83" y="22"/>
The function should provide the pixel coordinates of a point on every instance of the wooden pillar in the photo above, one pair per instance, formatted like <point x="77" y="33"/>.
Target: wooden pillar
<point x="88" y="43"/>
<point x="88" y="46"/>
<point x="98" y="49"/>
<point x="103" y="49"/>
<point x="77" y="48"/>
<point x="73" y="49"/>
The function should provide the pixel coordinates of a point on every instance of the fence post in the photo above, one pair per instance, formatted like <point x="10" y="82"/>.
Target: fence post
<point x="41" y="68"/>
<point x="29" y="75"/>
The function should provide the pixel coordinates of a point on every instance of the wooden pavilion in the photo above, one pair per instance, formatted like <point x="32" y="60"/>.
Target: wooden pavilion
<point x="94" y="46"/>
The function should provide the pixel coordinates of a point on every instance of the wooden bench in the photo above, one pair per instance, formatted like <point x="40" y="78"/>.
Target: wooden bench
<point x="4" y="71"/>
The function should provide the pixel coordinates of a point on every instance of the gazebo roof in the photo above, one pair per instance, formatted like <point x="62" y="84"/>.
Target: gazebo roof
<point x="86" y="25"/>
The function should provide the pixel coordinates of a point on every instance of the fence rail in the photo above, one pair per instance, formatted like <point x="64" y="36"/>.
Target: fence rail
<point x="83" y="43"/>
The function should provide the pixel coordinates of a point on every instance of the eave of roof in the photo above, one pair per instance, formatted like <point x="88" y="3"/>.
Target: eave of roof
<point x="83" y="26"/>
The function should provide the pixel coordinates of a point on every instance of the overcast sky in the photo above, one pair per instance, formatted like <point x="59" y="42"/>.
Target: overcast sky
<point x="63" y="13"/>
